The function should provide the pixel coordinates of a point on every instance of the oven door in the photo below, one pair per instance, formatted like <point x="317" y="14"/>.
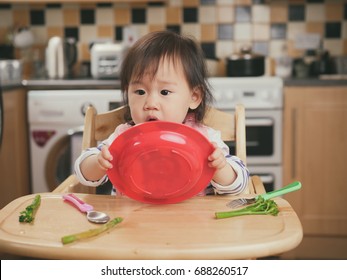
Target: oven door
<point x="271" y="176"/>
<point x="263" y="137"/>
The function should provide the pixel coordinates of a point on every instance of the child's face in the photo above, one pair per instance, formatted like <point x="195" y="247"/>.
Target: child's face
<point x="166" y="97"/>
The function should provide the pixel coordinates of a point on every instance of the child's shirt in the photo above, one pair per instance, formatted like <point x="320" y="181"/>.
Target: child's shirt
<point x="237" y="187"/>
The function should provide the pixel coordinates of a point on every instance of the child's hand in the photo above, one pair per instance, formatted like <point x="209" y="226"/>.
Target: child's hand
<point x="217" y="158"/>
<point x="104" y="158"/>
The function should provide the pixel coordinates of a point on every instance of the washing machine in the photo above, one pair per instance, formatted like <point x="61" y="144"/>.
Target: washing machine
<point x="56" y="120"/>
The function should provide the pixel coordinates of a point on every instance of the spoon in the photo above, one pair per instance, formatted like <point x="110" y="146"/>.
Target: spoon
<point x="92" y="216"/>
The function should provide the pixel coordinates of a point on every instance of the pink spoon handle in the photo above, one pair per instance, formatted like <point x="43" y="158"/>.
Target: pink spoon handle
<point x="82" y="206"/>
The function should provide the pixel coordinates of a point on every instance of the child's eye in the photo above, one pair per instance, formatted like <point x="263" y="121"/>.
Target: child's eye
<point x="140" y="92"/>
<point x="165" y="92"/>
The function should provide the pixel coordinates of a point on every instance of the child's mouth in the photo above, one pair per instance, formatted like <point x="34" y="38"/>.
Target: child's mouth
<point x="152" y="119"/>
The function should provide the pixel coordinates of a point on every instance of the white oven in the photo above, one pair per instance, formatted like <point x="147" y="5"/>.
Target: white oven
<point x="264" y="139"/>
<point x="263" y="101"/>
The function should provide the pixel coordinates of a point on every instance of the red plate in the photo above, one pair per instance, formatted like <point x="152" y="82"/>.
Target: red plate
<point x="160" y="162"/>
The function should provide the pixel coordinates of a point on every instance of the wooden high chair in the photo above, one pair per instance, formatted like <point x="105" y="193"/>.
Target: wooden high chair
<point x="98" y="127"/>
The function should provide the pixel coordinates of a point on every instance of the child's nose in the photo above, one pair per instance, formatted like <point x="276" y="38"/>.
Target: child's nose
<point x="151" y="102"/>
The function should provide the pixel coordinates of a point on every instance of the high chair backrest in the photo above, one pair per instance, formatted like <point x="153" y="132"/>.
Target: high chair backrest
<point x="98" y="127"/>
<point x="231" y="126"/>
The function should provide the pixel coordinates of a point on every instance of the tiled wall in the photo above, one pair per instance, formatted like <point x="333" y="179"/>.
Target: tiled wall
<point x="222" y="26"/>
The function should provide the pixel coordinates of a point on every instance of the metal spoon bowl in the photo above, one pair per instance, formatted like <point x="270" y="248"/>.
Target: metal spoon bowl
<point x="97" y="217"/>
<point x="92" y="216"/>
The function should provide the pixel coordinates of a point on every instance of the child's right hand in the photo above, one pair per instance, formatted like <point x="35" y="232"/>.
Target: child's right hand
<point x="104" y="158"/>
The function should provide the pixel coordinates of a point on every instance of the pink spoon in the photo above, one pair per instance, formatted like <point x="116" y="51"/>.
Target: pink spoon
<point x="92" y="216"/>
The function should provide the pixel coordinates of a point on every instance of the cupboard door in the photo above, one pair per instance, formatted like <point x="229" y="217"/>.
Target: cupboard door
<point x="315" y="153"/>
<point x="14" y="151"/>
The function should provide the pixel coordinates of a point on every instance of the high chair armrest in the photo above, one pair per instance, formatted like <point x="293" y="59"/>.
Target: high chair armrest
<point x="72" y="185"/>
<point x="69" y="183"/>
<point x="258" y="185"/>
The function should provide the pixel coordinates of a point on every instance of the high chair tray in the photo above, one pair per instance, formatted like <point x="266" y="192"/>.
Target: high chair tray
<point x="186" y="230"/>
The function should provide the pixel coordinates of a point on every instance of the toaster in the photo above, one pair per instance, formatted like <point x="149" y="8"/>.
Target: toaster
<point x="106" y="60"/>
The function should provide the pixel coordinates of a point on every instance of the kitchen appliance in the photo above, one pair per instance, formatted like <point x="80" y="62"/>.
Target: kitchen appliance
<point x="56" y="120"/>
<point x="106" y="60"/>
<point x="340" y="63"/>
<point x="322" y="65"/>
<point x="70" y="55"/>
<point x="23" y="38"/>
<point x="245" y="64"/>
<point x="61" y="55"/>
<point x="263" y="101"/>
<point x="10" y="71"/>
<point x="55" y="58"/>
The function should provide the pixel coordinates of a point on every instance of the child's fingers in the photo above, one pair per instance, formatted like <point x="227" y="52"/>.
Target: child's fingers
<point x="218" y="163"/>
<point x="217" y="159"/>
<point x="217" y="153"/>
<point x="104" y="158"/>
<point x="104" y="163"/>
<point x="106" y="153"/>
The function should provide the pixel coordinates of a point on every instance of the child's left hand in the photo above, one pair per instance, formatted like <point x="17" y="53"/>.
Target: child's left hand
<point x="217" y="158"/>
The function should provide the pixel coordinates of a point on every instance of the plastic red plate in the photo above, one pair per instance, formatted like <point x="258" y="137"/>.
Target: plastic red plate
<point x="160" y="162"/>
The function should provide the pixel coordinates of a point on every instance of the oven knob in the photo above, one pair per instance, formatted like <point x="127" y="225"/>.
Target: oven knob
<point x="84" y="107"/>
<point x="265" y="95"/>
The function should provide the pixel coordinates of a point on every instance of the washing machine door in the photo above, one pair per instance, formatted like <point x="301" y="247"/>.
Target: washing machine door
<point x="61" y="158"/>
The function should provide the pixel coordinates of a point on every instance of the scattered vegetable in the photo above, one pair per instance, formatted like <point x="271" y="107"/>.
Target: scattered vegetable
<point x="92" y="232"/>
<point x="260" y="207"/>
<point x="28" y="215"/>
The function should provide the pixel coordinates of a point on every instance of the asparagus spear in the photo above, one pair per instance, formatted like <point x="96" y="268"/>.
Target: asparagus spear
<point x="260" y="207"/>
<point x="92" y="232"/>
<point x="28" y="215"/>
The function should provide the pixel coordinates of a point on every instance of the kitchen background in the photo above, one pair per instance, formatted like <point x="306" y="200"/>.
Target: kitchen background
<point x="273" y="28"/>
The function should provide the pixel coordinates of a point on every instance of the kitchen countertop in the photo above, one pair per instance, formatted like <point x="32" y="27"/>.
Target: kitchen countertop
<point x="10" y="85"/>
<point x="90" y="83"/>
<point x="79" y="83"/>
<point x="313" y="82"/>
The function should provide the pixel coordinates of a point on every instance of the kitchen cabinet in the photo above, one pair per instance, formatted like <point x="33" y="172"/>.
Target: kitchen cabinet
<point x="14" y="152"/>
<point x="315" y="153"/>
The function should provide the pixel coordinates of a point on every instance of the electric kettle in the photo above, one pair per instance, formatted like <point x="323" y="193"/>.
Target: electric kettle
<point x="55" y="65"/>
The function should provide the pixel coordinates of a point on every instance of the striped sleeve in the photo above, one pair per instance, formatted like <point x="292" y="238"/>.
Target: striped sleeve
<point x="79" y="175"/>
<point x="95" y="150"/>
<point x="241" y="181"/>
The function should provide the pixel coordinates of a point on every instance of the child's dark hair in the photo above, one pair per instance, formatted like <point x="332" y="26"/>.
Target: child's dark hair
<point x="146" y="54"/>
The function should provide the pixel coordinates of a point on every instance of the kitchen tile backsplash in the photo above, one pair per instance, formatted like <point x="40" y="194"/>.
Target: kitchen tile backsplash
<point x="221" y="26"/>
